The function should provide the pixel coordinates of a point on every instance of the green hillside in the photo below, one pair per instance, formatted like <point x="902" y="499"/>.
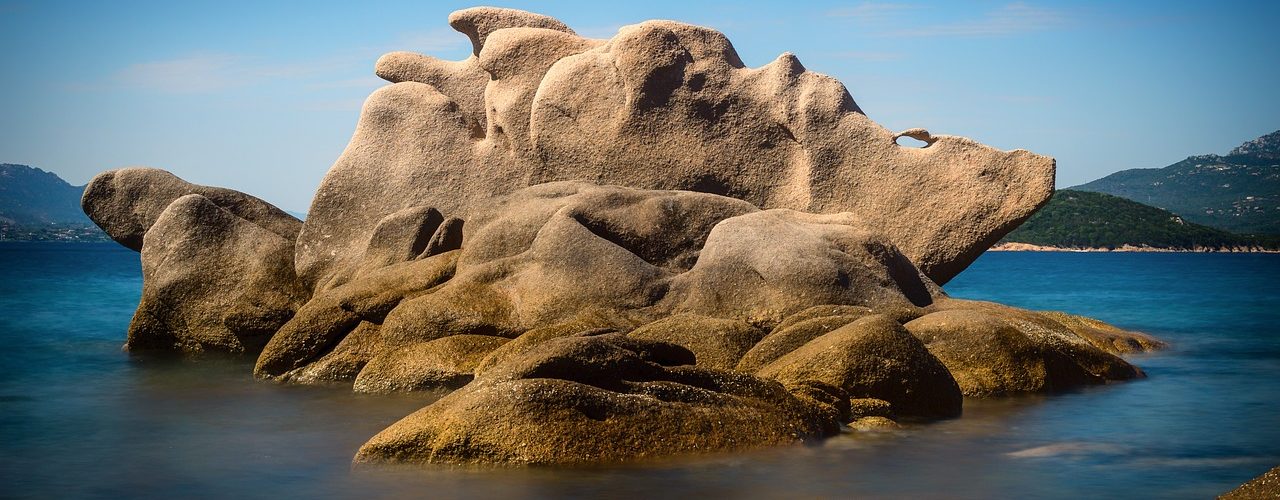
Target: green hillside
<point x="1239" y="192"/>
<point x="1084" y="219"/>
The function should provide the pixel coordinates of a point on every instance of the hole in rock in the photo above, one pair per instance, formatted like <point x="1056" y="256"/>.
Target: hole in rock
<point x="910" y="142"/>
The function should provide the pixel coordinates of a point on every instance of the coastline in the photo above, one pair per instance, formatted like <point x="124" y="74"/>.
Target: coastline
<point x="1028" y="247"/>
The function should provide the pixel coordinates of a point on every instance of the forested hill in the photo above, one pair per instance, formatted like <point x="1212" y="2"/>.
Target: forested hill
<point x="1080" y="219"/>
<point x="1238" y="192"/>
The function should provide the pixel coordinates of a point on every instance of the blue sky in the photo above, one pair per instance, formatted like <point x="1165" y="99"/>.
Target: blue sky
<point x="263" y="96"/>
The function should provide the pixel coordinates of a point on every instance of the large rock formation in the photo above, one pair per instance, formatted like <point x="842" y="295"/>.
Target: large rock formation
<point x="661" y="105"/>
<point x="707" y="268"/>
<point x="612" y="250"/>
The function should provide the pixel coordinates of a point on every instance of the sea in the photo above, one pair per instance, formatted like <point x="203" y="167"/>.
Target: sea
<point x="80" y="418"/>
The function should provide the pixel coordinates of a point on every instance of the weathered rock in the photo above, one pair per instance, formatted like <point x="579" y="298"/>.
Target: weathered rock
<point x="996" y="350"/>
<point x="586" y="323"/>
<point x="717" y="343"/>
<point x="788" y="337"/>
<point x="1105" y="336"/>
<point x="342" y="364"/>
<point x="662" y="105"/>
<point x="447" y="363"/>
<point x="400" y="237"/>
<point x="874" y="357"/>
<point x="603" y="398"/>
<point x="821" y="311"/>
<point x="126" y="202"/>
<point x="874" y="424"/>
<point x="1266" y="486"/>
<point x="212" y="281"/>
<point x="330" y="317"/>
<point x="869" y="407"/>
<point x="542" y="255"/>
<point x="764" y="266"/>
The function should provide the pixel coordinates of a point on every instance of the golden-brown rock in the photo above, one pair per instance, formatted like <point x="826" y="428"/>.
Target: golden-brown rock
<point x="602" y="398"/>
<point x="444" y="363"/>
<point x="874" y="357"/>
<point x="717" y="343"/>
<point x="996" y="350"/>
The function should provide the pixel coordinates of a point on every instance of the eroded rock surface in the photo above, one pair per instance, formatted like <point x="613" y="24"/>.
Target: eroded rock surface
<point x="603" y="398"/>
<point x="993" y="349"/>
<point x="696" y="269"/>
<point x="126" y="202"/>
<point x="661" y="105"/>
<point x="212" y="281"/>
<point x="873" y="357"/>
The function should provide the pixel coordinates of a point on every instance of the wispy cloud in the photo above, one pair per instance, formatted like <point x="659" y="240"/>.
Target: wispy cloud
<point x="436" y="40"/>
<point x="903" y="20"/>
<point x="189" y="74"/>
<point x="202" y="73"/>
<point x="872" y="11"/>
<point x="1011" y="19"/>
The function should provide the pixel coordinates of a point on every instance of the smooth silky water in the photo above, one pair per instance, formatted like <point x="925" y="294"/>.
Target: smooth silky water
<point x="79" y="417"/>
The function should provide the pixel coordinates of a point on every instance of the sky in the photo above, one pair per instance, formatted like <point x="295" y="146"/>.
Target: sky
<point x="263" y="96"/>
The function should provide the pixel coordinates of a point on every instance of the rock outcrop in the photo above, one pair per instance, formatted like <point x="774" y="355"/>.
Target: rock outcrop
<point x="126" y="203"/>
<point x="993" y="349"/>
<point x="612" y="250"/>
<point x="604" y="398"/>
<point x="873" y="357"/>
<point x="212" y="281"/>
<point x="661" y="105"/>
<point x="698" y="270"/>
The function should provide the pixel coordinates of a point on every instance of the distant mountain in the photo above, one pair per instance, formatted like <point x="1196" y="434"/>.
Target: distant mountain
<point x="32" y="196"/>
<point x="1239" y="192"/>
<point x="1081" y="219"/>
<point x="39" y="205"/>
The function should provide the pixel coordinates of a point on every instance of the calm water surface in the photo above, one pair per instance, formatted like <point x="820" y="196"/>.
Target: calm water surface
<point x="80" y="418"/>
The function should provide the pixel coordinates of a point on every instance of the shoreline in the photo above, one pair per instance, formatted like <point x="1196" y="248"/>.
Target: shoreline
<point x="1028" y="247"/>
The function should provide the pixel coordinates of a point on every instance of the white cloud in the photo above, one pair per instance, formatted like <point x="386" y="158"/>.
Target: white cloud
<point x="203" y="73"/>
<point x="427" y="42"/>
<point x="190" y="74"/>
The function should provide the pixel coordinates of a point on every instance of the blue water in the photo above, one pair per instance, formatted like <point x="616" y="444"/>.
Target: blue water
<point x="80" y="418"/>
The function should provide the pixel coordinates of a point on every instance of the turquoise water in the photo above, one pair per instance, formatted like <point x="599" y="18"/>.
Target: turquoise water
<point x="80" y="418"/>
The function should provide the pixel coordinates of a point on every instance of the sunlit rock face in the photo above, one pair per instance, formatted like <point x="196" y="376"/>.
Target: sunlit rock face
<point x="661" y="105"/>
<point x="612" y="250"/>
